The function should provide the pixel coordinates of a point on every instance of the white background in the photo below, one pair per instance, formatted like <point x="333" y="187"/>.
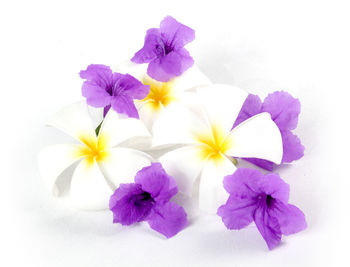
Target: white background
<point x="262" y="46"/>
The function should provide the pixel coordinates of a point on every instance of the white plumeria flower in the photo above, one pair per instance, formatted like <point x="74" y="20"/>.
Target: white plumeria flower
<point x="103" y="165"/>
<point x="178" y="91"/>
<point x="210" y="143"/>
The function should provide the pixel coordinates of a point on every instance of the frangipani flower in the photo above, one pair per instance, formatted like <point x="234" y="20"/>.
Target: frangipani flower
<point x="209" y="143"/>
<point x="284" y="110"/>
<point x="105" y="89"/>
<point x="148" y="199"/>
<point x="164" y="50"/>
<point x="264" y="200"/>
<point x="162" y="95"/>
<point x="103" y="165"/>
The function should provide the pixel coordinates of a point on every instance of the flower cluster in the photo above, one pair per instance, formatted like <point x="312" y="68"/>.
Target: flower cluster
<point x="155" y="127"/>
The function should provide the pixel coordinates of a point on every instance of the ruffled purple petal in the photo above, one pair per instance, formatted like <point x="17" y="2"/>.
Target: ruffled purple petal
<point x="131" y="87"/>
<point x="251" y="106"/>
<point x="95" y="95"/>
<point x="284" y="109"/>
<point x="290" y="218"/>
<point x="243" y="183"/>
<point x="152" y="48"/>
<point x="168" y="219"/>
<point x="125" y="105"/>
<point x="292" y="147"/>
<point x="154" y="180"/>
<point x="237" y="212"/>
<point x="128" y="204"/>
<point x="175" y="34"/>
<point x="172" y="65"/>
<point x="99" y="74"/>
<point x="272" y="184"/>
<point x="268" y="227"/>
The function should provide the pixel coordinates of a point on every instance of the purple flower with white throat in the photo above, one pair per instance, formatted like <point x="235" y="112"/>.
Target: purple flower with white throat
<point x="164" y="50"/>
<point x="264" y="200"/>
<point x="148" y="199"/>
<point x="284" y="111"/>
<point x="106" y="89"/>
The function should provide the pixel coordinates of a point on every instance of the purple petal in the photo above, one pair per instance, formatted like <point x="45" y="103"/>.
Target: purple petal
<point x="268" y="227"/>
<point x="131" y="86"/>
<point x="154" y="180"/>
<point x="284" y="109"/>
<point x="291" y="219"/>
<point x="172" y="65"/>
<point x="150" y="50"/>
<point x="101" y="75"/>
<point x="237" y="212"/>
<point x="96" y="96"/>
<point x="272" y="184"/>
<point x="125" y="105"/>
<point x="262" y="163"/>
<point x="128" y="206"/>
<point x="251" y="106"/>
<point x="175" y="34"/>
<point x="168" y="219"/>
<point x="292" y="147"/>
<point x="243" y="183"/>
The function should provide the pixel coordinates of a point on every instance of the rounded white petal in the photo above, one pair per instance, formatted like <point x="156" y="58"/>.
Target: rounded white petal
<point x="53" y="160"/>
<point x="190" y="79"/>
<point x="89" y="189"/>
<point x="117" y="128"/>
<point x="74" y="120"/>
<point x="257" y="137"/>
<point x="148" y="115"/>
<point x="185" y="165"/>
<point x="222" y="104"/>
<point x="122" y="164"/>
<point x="177" y="125"/>
<point x="139" y="71"/>
<point x="211" y="189"/>
<point x="96" y="115"/>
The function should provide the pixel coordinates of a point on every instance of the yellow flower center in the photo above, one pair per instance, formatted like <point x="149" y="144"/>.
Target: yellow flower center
<point x="94" y="149"/>
<point x="160" y="94"/>
<point x="213" y="144"/>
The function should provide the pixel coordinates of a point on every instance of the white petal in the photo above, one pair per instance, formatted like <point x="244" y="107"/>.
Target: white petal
<point x="190" y="79"/>
<point x="184" y="165"/>
<point x="117" y="128"/>
<point x="139" y="71"/>
<point x="74" y="120"/>
<point x="96" y="115"/>
<point x="222" y="104"/>
<point x="148" y="115"/>
<point x="53" y="160"/>
<point x="89" y="189"/>
<point x="177" y="125"/>
<point x="257" y="137"/>
<point x="122" y="164"/>
<point x="211" y="189"/>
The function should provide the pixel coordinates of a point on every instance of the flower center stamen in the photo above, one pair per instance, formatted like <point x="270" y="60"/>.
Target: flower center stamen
<point x="214" y="144"/>
<point x="160" y="94"/>
<point x="94" y="148"/>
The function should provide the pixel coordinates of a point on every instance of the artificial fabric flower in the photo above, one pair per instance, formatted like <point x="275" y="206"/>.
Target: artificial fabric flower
<point x="164" y="50"/>
<point x="209" y="143"/>
<point x="284" y="110"/>
<point x="106" y="89"/>
<point x="103" y="163"/>
<point x="177" y="91"/>
<point x="264" y="200"/>
<point x="148" y="199"/>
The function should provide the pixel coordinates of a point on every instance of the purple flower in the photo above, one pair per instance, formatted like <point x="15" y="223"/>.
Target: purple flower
<point x="264" y="200"/>
<point x="164" y="50"/>
<point x="148" y="199"/>
<point x="103" y="88"/>
<point x="284" y="111"/>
